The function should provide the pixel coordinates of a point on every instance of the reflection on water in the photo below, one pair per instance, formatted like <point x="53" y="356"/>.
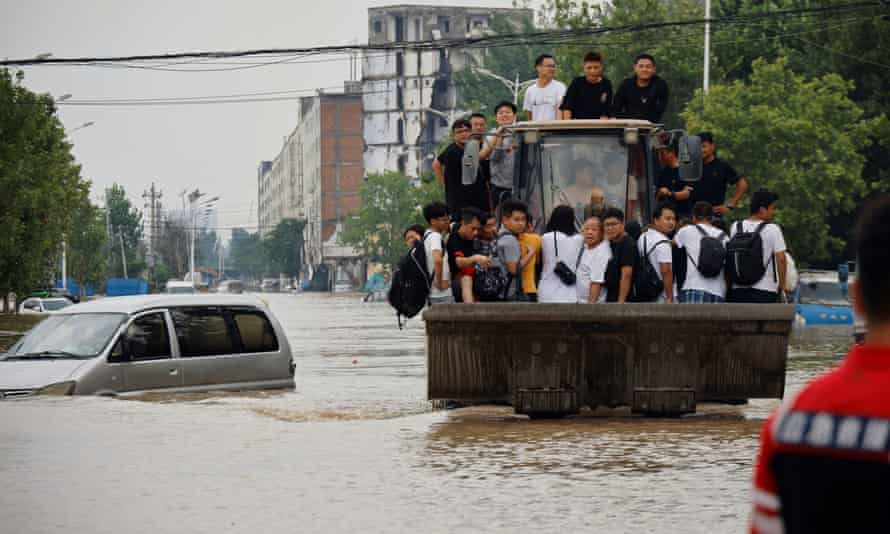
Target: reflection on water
<point x="356" y="447"/>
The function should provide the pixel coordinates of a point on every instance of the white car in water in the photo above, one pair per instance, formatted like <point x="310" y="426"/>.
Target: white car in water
<point x="43" y="305"/>
<point x="167" y="343"/>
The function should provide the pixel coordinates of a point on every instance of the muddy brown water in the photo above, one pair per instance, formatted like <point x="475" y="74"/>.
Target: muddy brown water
<point x="357" y="448"/>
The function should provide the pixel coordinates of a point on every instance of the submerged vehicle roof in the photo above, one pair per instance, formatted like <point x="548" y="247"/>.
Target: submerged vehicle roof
<point x="587" y="124"/>
<point x="137" y="303"/>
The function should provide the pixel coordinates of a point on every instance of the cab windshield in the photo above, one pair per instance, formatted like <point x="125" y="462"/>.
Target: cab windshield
<point x="82" y="335"/>
<point x="571" y="169"/>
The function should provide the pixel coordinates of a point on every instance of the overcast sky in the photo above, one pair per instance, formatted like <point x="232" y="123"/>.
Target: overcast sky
<point x="215" y="148"/>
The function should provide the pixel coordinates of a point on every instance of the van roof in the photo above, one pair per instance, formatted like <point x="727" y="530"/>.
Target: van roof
<point x="136" y="303"/>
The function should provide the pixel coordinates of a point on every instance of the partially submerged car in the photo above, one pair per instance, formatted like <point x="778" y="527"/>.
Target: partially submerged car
<point x="44" y="305"/>
<point x="180" y="287"/>
<point x="168" y="343"/>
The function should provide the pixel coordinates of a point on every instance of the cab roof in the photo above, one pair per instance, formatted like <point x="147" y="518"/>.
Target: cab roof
<point x="137" y="303"/>
<point x="587" y="124"/>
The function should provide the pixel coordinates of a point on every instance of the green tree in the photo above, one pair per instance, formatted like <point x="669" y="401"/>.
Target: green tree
<point x="87" y="241"/>
<point x="126" y="224"/>
<point x="390" y="203"/>
<point x="206" y="249"/>
<point x="40" y="184"/>
<point x="677" y="50"/>
<point x="284" y="247"/>
<point x="800" y="137"/>
<point x="173" y="249"/>
<point x="479" y="92"/>
<point x="247" y="254"/>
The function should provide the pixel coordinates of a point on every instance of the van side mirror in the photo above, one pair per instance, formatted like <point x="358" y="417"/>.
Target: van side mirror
<point x="689" y="154"/>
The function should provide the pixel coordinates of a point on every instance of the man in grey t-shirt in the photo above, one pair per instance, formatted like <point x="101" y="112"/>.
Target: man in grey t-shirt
<point x="509" y="252"/>
<point x="498" y="150"/>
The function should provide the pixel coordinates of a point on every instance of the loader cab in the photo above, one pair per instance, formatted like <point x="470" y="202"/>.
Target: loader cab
<point x="564" y="162"/>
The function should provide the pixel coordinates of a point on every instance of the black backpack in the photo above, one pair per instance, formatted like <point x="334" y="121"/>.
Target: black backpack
<point x="744" y="256"/>
<point x="647" y="283"/>
<point x="711" y="254"/>
<point x="678" y="265"/>
<point x="410" y="288"/>
<point x="492" y="283"/>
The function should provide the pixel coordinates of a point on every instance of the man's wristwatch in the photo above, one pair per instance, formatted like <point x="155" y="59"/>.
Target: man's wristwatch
<point x="730" y="207"/>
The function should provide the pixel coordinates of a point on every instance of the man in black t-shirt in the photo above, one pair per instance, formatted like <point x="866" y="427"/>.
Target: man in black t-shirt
<point x="669" y="187"/>
<point x="448" y="168"/>
<point x="645" y="96"/>
<point x="716" y="175"/>
<point x="619" y="270"/>
<point x="589" y="96"/>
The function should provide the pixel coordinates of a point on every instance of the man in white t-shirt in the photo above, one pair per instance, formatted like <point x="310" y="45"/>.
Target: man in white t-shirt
<point x="436" y="215"/>
<point x="698" y="288"/>
<point x="656" y="246"/>
<point x="542" y="100"/>
<point x="591" y="270"/>
<point x="765" y="290"/>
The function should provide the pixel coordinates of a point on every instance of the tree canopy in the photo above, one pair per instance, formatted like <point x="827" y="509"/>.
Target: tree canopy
<point x="799" y="137"/>
<point x="40" y="182"/>
<point x="390" y="203"/>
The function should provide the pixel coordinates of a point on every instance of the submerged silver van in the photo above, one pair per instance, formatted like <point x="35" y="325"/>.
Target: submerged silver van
<point x="169" y="343"/>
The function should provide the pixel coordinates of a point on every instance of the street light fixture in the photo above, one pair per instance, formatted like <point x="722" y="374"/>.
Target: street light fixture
<point x="514" y="86"/>
<point x="82" y="126"/>
<point x="194" y="214"/>
<point x="64" y="97"/>
<point x="45" y="55"/>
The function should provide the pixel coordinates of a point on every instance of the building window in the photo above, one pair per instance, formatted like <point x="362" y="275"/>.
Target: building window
<point x="400" y="64"/>
<point x="445" y="24"/>
<point x="378" y="26"/>
<point x="400" y="29"/>
<point x="401" y="131"/>
<point x="417" y="35"/>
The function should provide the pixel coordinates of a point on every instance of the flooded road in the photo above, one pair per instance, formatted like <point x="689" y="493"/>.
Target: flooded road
<point x="356" y="447"/>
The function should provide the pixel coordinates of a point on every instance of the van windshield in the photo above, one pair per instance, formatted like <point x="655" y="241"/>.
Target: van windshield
<point x="82" y="335"/>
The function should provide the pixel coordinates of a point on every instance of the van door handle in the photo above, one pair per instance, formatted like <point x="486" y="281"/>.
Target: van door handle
<point x="174" y="372"/>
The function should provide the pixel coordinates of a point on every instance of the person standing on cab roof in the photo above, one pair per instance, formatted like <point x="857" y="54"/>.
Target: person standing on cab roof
<point x="645" y="96"/>
<point x="589" y="96"/>
<point x="543" y="98"/>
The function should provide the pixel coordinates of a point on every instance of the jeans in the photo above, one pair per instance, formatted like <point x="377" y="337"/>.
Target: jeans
<point x="698" y="296"/>
<point x="447" y="299"/>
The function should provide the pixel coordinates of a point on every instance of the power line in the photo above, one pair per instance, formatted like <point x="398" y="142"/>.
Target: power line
<point x="488" y="41"/>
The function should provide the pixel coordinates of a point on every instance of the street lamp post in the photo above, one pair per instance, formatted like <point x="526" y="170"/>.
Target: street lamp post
<point x="514" y="86"/>
<point x="193" y="216"/>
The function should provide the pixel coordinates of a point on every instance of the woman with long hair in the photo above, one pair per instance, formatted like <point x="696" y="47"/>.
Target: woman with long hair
<point x="562" y="248"/>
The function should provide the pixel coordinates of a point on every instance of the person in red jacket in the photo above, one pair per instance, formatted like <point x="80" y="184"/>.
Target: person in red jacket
<point x="824" y="462"/>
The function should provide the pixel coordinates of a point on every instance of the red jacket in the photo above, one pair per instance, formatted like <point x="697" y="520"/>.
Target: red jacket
<point x="824" y="462"/>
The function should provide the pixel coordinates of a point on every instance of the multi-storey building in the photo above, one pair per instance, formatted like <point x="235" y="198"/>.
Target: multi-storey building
<point x="409" y="96"/>
<point x="316" y="177"/>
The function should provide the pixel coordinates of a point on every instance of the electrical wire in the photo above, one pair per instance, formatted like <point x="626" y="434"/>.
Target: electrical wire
<point x="487" y="41"/>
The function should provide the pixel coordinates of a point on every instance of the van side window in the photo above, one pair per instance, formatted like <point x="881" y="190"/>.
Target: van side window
<point x="202" y="332"/>
<point x="257" y="334"/>
<point x="148" y="339"/>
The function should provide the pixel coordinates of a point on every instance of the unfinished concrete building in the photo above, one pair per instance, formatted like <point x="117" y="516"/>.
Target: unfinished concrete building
<point x="409" y="96"/>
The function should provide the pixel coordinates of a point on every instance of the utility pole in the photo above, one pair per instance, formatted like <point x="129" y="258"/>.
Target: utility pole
<point x="707" y="66"/>
<point x="123" y="254"/>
